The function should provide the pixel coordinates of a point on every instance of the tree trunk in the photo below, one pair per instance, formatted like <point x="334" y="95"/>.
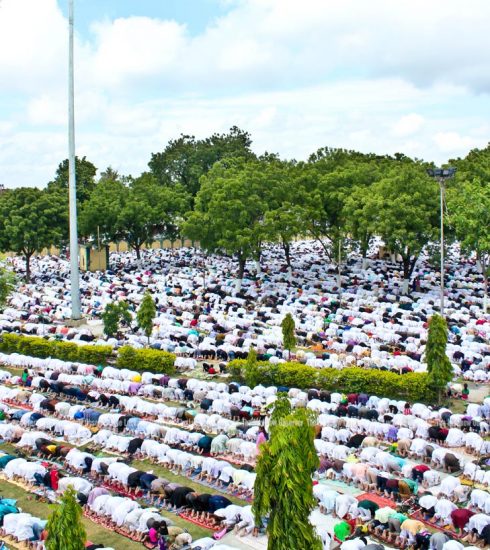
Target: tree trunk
<point x="138" y="251"/>
<point x="28" y="266"/>
<point x="287" y="252"/>
<point x="241" y="266"/>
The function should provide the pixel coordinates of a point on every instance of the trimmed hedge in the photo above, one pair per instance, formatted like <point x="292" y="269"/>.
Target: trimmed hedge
<point x="146" y="360"/>
<point x="128" y="357"/>
<point x="410" y="386"/>
<point x="67" y="351"/>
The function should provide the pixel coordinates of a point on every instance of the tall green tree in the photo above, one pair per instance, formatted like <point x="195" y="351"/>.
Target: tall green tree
<point x="284" y="490"/>
<point x="288" y="333"/>
<point x="359" y="211"/>
<point x="252" y="374"/>
<point x="65" y="528"/>
<point x="115" y="314"/>
<point x="283" y="221"/>
<point x="146" y="315"/>
<point x="85" y="173"/>
<point x="468" y="199"/>
<point x="150" y="210"/>
<point x="31" y="219"/>
<point x="438" y="364"/>
<point x="331" y="179"/>
<point x="186" y="159"/>
<point x="229" y="211"/>
<point x="100" y="214"/>
<point x="405" y="209"/>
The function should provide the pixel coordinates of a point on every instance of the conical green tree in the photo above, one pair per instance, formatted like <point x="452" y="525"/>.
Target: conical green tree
<point x="283" y="489"/>
<point x="65" y="528"/>
<point x="252" y="374"/>
<point x="146" y="314"/>
<point x="288" y="336"/>
<point x="438" y="364"/>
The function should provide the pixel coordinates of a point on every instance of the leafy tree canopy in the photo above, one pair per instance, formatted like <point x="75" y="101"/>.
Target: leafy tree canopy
<point x="85" y="173"/>
<point x="405" y="206"/>
<point x="100" y="214"/>
<point x="186" y="159"/>
<point x="230" y="209"/>
<point x="31" y="219"/>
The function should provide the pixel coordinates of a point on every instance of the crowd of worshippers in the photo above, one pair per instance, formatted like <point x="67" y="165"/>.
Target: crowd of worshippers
<point x="362" y="521"/>
<point x="384" y="478"/>
<point x="31" y="532"/>
<point x="120" y="513"/>
<point x="374" y="324"/>
<point x="451" y="487"/>
<point x="123" y="513"/>
<point x="343" y="419"/>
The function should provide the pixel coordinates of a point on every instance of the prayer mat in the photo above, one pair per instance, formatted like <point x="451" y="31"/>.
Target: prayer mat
<point x="382" y="502"/>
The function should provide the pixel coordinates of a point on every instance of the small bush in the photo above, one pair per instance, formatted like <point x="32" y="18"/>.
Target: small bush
<point x="126" y="358"/>
<point x="66" y="351"/>
<point x="94" y="355"/>
<point x="146" y="360"/>
<point x="10" y="343"/>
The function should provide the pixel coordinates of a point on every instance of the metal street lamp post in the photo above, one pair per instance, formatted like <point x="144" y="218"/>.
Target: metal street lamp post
<point x="441" y="175"/>
<point x="72" y="186"/>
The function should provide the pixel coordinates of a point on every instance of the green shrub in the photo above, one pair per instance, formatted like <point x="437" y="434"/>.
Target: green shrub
<point x="146" y="360"/>
<point x="10" y="343"/>
<point x="411" y="386"/>
<point x="126" y="358"/>
<point x="66" y="351"/>
<point x="94" y="355"/>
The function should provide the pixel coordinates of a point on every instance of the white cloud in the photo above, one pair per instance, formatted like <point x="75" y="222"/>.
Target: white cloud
<point x="32" y="45"/>
<point x="382" y="76"/>
<point x="453" y="142"/>
<point x="135" y="48"/>
<point x="408" y="125"/>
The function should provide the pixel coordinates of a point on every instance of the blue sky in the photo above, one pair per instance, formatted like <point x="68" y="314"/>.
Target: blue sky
<point x="375" y="76"/>
<point x="195" y="14"/>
